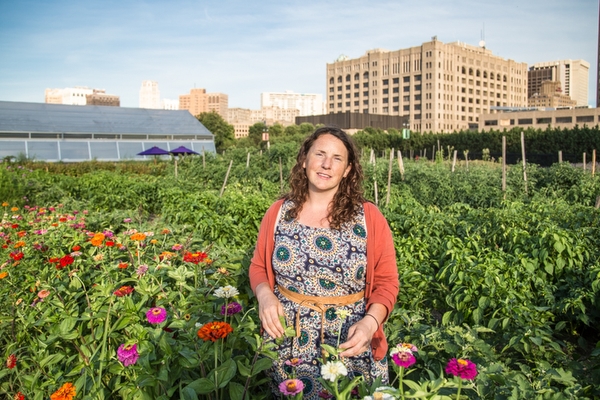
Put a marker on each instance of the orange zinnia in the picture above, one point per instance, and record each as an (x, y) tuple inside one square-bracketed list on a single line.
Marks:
[(3, 275), (66, 392), (98, 239), (214, 331), (138, 237)]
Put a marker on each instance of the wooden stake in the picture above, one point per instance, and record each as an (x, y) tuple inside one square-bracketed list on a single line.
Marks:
[(376, 195), (454, 160), (400, 164), (524, 162), (584, 162), (248, 161), (504, 166), (433, 154), (203, 159), (389, 185), (560, 156), (594, 162), (280, 176), (225, 181)]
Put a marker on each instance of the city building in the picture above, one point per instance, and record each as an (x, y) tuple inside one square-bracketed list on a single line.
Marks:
[(551, 96), (540, 119), (353, 122), (100, 98), (170, 104), (440, 87), (305, 103), (150, 95), (58, 132), (275, 115), (240, 118), (78, 96), (573, 76), (198, 101)]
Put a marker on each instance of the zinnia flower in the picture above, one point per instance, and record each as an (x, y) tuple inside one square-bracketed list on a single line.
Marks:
[(123, 291), (291, 387), (16, 255), (141, 270), (226, 292), (137, 237), (294, 362), (195, 258), (214, 331), (404, 359), (128, 355), (98, 239), (176, 247), (333, 369), (127, 220), (64, 261), (66, 392), (11, 361), (3, 275), (42, 294), (19, 396), (232, 308), (156, 315), (462, 367), (123, 265)]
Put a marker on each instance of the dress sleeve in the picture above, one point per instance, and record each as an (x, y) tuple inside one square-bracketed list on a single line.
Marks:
[(260, 265), (385, 274)]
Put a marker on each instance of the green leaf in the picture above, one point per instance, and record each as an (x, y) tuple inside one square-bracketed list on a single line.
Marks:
[(50, 360), (67, 325), (261, 365), (202, 386), (236, 391), (226, 372), (446, 318), (536, 340)]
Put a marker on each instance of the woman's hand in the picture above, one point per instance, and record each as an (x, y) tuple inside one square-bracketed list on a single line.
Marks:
[(359, 337), (269, 310)]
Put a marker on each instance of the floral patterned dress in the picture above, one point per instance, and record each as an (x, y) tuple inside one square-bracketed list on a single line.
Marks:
[(320, 262)]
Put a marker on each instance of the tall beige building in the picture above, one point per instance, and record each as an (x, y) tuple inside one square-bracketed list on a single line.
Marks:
[(441, 87), (150, 95), (551, 96), (198, 101), (573, 76)]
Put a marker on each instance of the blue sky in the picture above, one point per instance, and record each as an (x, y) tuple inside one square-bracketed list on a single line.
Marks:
[(243, 48)]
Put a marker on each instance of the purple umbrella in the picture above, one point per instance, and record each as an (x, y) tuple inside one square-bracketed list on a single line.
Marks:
[(153, 151), (182, 150)]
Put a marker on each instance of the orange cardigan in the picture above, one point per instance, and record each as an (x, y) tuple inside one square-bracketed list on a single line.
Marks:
[(381, 276)]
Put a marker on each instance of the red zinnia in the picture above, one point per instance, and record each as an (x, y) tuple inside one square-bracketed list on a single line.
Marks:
[(76, 248), (53, 260), (16, 255), (64, 261), (214, 331), (123, 265), (110, 243), (19, 396), (123, 291), (11, 361), (195, 258)]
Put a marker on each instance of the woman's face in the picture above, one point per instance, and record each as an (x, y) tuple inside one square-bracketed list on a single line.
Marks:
[(326, 164)]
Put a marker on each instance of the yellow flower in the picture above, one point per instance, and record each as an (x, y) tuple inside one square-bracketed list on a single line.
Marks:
[(14, 209), (5, 204), (138, 237)]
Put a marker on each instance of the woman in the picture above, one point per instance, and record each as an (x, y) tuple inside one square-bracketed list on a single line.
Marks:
[(321, 249)]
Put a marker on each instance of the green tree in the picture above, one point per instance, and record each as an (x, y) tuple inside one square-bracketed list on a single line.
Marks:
[(276, 130), (291, 130), (255, 132), (224, 133)]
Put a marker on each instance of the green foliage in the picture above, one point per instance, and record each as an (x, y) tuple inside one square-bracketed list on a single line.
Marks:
[(224, 132)]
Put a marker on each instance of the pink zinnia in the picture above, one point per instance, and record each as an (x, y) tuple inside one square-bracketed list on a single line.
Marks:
[(404, 359), (232, 308), (291, 387), (294, 362), (461, 367), (128, 355), (156, 315)]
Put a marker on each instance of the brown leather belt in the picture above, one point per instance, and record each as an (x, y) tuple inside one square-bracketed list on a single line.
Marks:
[(318, 303)]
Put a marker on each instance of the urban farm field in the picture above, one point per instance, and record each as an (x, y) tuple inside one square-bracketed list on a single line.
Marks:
[(122, 281)]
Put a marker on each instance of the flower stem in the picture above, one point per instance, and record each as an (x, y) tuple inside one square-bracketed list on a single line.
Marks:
[(459, 387), (401, 385)]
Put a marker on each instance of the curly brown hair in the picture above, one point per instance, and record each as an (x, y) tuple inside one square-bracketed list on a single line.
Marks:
[(349, 197)]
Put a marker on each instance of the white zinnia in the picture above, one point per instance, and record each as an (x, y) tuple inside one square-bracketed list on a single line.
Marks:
[(333, 369), (226, 292)]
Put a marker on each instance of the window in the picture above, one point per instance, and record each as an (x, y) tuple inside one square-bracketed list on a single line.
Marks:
[(366, 75), (544, 120), (396, 80), (356, 86), (396, 108), (339, 96), (356, 94), (385, 82), (525, 121), (395, 90), (417, 78), (385, 100), (331, 89), (405, 98), (339, 88), (366, 102), (417, 87), (347, 78), (331, 98), (406, 108), (585, 118), (356, 77), (347, 104), (339, 79), (417, 106), (491, 122), (563, 120), (331, 81), (366, 84), (406, 79), (366, 93), (417, 97), (386, 110), (385, 91), (356, 103), (347, 95), (347, 87), (340, 105), (330, 105), (396, 99), (406, 89)]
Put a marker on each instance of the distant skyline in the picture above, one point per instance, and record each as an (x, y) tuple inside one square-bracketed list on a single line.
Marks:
[(244, 48)]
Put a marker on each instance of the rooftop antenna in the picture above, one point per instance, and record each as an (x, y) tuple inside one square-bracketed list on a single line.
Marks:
[(482, 41)]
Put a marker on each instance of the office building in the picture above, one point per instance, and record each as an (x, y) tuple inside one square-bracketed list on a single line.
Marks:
[(551, 96), (305, 103), (78, 96), (198, 101), (440, 87), (573, 76), (541, 119), (150, 95)]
